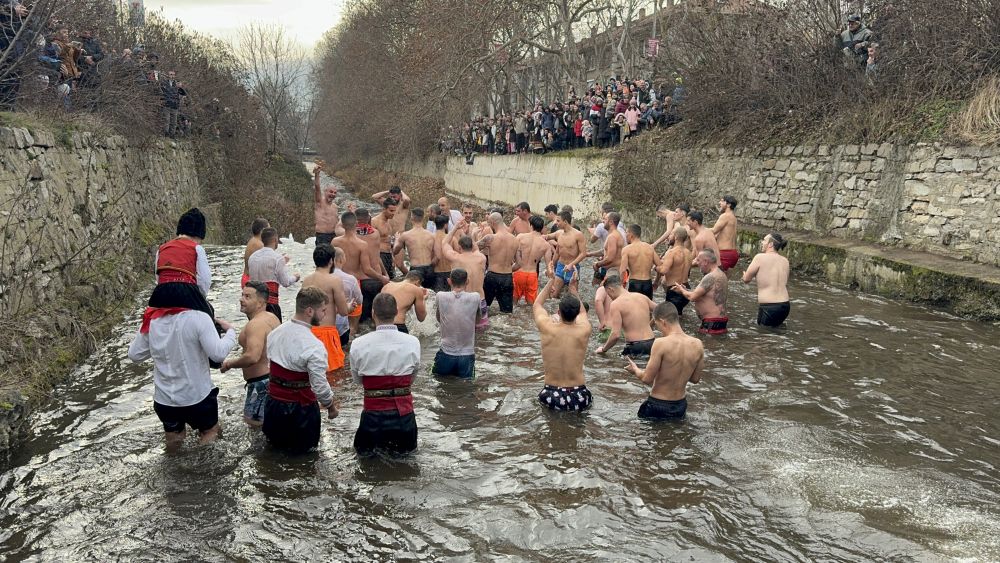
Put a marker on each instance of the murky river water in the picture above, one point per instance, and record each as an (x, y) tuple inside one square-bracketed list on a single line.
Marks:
[(865, 431)]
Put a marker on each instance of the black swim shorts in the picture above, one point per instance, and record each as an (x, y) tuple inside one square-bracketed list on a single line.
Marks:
[(638, 348), (324, 238), (566, 398), (387, 263), (386, 430), (658, 409), (426, 275), (644, 287), (499, 287), (677, 299), (773, 314), (201, 416)]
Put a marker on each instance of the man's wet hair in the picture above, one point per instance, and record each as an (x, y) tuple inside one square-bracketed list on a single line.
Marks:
[(363, 216), (613, 280), (465, 242), (696, 216), (566, 216), (778, 241), (615, 218), (710, 255), (417, 213), (537, 223), (260, 288), (268, 235), (569, 307), (349, 218), (389, 201), (323, 255), (730, 200), (458, 277), (441, 222), (607, 207), (551, 208), (685, 208), (680, 233), (384, 307), (258, 225), (666, 312), (310, 297), (395, 190), (523, 206), (636, 230)]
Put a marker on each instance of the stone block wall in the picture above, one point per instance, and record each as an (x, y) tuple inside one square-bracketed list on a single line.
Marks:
[(76, 202), (927, 197)]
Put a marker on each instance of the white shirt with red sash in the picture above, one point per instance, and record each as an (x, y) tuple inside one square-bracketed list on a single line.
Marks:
[(386, 359), (293, 347)]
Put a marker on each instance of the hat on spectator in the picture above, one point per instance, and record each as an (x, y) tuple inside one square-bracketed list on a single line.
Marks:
[(854, 18)]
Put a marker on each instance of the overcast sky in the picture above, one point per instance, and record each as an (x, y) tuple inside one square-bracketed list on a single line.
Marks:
[(305, 19)]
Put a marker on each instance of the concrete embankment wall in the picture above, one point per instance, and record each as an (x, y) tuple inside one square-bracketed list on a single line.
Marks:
[(79, 216), (894, 220)]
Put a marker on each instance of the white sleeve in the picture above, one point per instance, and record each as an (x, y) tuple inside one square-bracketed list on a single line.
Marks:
[(317, 364), (138, 351), (156, 260), (204, 273), (215, 347), (281, 273), (355, 374)]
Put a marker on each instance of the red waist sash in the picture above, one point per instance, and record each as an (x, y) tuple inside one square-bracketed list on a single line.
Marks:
[(304, 396), (272, 292), (171, 275), (403, 404)]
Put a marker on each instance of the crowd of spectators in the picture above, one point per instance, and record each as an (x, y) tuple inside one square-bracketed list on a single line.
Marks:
[(68, 64), (604, 116)]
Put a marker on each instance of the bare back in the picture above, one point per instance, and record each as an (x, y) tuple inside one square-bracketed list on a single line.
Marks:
[(532, 248), (442, 264), (675, 360), (419, 245), (333, 287), (705, 239), (407, 295), (712, 303), (253, 245), (771, 271), (638, 258), (502, 247), (677, 262), (355, 255), (631, 312), (564, 348), (474, 263), (374, 242)]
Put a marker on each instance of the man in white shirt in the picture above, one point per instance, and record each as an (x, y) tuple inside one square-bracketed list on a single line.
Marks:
[(385, 362), (298, 377), (457, 315), (266, 265), (181, 342)]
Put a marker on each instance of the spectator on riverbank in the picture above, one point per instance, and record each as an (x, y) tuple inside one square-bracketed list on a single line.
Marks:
[(854, 41)]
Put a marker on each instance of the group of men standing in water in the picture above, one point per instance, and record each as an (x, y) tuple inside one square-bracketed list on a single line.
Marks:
[(289, 367)]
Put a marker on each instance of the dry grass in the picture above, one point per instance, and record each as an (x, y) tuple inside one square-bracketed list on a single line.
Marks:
[(979, 122)]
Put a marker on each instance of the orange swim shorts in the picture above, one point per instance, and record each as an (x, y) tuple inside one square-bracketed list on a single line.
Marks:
[(330, 338), (525, 285)]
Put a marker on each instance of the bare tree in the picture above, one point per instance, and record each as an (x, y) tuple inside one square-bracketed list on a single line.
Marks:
[(273, 64)]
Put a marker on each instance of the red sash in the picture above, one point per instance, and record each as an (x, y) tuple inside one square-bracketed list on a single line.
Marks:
[(402, 404), (303, 396), (272, 292), (156, 312), (364, 229)]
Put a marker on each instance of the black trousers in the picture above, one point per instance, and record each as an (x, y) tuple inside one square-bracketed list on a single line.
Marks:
[(386, 430), (499, 287), (291, 426)]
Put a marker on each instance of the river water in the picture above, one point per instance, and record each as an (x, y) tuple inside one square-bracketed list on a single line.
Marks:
[(866, 430)]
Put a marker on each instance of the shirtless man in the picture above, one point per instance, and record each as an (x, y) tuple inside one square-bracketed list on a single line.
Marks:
[(358, 263), (253, 360), (725, 233), (710, 296), (564, 348), (253, 245), (677, 359), (470, 260), (408, 294), (703, 238), (571, 248), (614, 242), (551, 214), (502, 246), (419, 245), (332, 286), (325, 210), (347, 321), (384, 225), (676, 269), (771, 271), (638, 259), (522, 215), (442, 267), (629, 312), (531, 250), (673, 218), (398, 222)]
